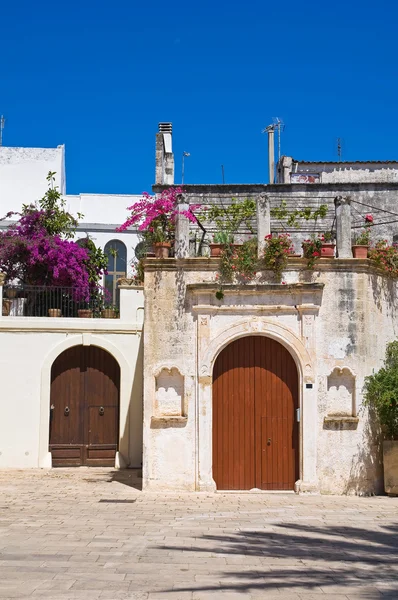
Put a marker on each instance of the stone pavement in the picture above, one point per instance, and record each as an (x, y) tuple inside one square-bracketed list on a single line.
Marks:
[(89, 534)]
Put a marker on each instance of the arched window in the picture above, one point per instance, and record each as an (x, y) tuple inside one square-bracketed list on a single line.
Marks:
[(117, 266)]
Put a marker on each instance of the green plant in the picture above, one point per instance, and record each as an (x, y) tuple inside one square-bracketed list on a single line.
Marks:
[(363, 239), (386, 257), (292, 217), (327, 237), (229, 219), (245, 260), (237, 262), (223, 237), (276, 252), (312, 250), (381, 392), (54, 218)]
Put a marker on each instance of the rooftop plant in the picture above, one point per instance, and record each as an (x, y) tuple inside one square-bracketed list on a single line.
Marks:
[(155, 216), (37, 249), (276, 252), (363, 238)]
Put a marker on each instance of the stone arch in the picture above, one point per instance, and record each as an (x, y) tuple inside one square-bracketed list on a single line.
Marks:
[(307, 397), (266, 327), (85, 339)]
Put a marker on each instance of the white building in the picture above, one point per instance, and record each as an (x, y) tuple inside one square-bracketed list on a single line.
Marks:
[(23, 173)]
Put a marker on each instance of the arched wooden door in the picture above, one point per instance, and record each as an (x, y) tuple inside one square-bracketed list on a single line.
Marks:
[(84, 408), (255, 429)]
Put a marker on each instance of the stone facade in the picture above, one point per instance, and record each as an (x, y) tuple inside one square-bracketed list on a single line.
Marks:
[(335, 321), (289, 170)]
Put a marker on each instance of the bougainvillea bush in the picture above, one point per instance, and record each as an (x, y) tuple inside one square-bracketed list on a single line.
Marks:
[(37, 250), (155, 216)]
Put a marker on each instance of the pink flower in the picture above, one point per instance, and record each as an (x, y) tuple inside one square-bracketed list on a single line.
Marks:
[(369, 218)]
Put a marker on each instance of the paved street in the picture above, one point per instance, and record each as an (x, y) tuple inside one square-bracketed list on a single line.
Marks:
[(91, 534)]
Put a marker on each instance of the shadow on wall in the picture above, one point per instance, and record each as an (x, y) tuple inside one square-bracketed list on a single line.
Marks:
[(133, 426), (385, 287), (366, 472), (309, 557)]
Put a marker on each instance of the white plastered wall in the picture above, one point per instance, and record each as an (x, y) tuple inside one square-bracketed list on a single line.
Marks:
[(29, 347)]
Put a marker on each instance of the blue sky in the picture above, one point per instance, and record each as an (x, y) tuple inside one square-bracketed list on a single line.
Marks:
[(99, 76)]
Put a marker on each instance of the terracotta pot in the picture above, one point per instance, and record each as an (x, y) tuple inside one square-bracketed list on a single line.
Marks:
[(294, 256), (6, 307), (216, 249), (108, 313), (54, 312), (390, 466), (161, 249), (360, 251), (85, 313), (11, 292), (327, 250)]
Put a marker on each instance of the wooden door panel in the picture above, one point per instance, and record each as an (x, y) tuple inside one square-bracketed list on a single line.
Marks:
[(65, 399), (255, 396), (84, 379), (278, 457), (276, 384), (233, 417), (102, 428)]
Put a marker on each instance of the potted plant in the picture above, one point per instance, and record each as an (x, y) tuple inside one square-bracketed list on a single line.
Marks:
[(85, 313), (54, 312), (381, 397), (276, 252), (11, 292), (246, 260), (327, 244), (362, 242), (6, 308), (220, 240), (160, 243), (312, 250), (109, 312), (156, 219)]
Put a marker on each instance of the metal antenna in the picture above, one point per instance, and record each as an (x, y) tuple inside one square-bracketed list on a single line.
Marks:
[(280, 126), (184, 154), (222, 173), (339, 149), (2, 123)]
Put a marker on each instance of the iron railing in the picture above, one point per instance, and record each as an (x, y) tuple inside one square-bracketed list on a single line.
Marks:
[(49, 301)]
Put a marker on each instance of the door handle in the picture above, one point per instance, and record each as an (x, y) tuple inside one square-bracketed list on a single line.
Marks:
[(101, 410), (66, 411), (269, 442), (52, 407)]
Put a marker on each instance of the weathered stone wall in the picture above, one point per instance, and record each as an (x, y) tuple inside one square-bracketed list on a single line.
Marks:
[(336, 321), (374, 198), (339, 172)]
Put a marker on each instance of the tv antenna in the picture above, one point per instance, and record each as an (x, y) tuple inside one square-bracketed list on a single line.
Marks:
[(339, 149), (279, 126), (2, 123)]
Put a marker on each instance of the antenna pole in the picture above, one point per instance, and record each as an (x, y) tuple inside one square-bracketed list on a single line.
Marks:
[(339, 149), (222, 173), (184, 154), (2, 123)]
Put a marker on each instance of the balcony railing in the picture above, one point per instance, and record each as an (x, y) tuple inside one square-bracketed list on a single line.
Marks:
[(43, 301)]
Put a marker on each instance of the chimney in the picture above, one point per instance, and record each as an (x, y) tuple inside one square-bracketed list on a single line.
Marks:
[(271, 153), (164, 174)]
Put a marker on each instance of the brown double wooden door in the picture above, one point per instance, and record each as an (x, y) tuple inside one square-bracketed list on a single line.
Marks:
[(84, 407), (255, 429)]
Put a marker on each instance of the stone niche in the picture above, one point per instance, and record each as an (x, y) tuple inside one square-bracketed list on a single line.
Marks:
[(169, 393), (341, 402)]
